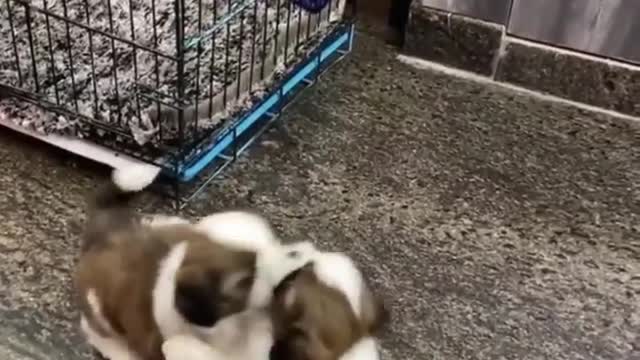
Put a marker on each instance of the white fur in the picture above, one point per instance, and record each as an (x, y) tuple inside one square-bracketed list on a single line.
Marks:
[(230, 339), (184, 347), (338, 271), (168, 319), (112, 348), (238, 229), (164, 220), (365, 349), (276, 263), (260, 332), (135, 177), (96, 311), (273, 265)]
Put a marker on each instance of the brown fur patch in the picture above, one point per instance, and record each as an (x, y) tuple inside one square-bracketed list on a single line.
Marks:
[(122, 271)]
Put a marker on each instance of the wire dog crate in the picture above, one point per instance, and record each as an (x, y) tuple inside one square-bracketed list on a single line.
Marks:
[(184, 85)]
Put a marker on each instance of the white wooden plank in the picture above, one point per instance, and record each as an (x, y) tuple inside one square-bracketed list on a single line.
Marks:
[(77, 146)]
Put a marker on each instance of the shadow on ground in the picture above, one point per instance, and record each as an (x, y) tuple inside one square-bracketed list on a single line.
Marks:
[(498, 226)]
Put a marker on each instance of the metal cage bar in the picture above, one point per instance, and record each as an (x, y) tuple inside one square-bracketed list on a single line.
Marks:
[(189, 101)]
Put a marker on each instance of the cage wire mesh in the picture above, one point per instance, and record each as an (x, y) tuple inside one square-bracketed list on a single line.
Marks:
[(149, 77)]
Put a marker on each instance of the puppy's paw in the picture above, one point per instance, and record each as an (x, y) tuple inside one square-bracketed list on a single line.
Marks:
[(239, 229), (301, 252), (182, 347), (108, 348), (287, 259), (274, 265)]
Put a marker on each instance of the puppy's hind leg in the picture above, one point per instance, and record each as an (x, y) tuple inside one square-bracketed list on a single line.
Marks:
[(109, 347)]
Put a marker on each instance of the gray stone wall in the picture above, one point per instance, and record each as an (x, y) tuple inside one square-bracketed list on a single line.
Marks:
[(488, 48)]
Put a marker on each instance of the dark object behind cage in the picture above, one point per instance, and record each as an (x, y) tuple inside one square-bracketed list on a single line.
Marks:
[(164, 81)]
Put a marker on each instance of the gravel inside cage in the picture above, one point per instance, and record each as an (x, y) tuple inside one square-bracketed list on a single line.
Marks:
[(74, 67)]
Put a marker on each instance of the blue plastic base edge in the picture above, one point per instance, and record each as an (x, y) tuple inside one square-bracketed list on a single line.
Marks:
[(303, 75)]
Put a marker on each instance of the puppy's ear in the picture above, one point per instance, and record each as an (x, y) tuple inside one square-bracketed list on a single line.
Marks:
[(237, 285), (285, 292), (287, 282), (195, 299), (289, 298), (375, 314)]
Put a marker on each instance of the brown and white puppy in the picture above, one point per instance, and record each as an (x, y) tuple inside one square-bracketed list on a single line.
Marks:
[(139, 284), (324, 311), (244, 336)]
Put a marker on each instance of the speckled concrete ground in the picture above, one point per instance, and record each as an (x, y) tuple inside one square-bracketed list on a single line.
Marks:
[(499, 227)]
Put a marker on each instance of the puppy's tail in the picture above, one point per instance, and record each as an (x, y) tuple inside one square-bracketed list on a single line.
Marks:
[(108, 205), (125, 183)]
